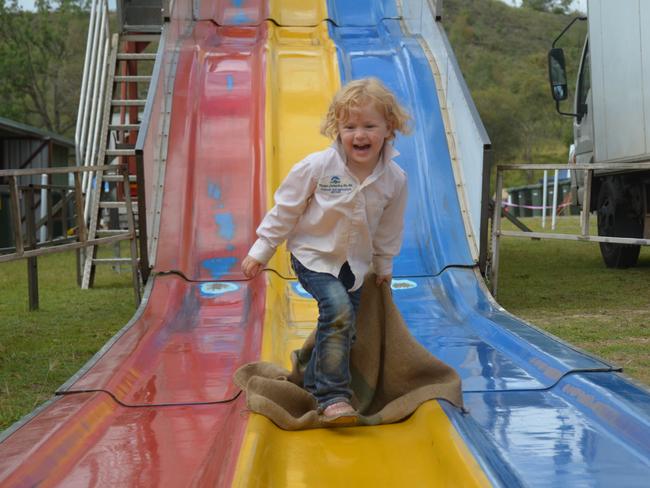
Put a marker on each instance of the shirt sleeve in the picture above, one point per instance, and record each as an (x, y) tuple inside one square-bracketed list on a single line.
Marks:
[(388, 236), (291, 198)]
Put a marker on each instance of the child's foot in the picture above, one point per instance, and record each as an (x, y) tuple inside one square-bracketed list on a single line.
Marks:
[(340, 414)]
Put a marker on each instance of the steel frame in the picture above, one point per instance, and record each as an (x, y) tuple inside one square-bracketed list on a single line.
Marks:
[(584, 236)]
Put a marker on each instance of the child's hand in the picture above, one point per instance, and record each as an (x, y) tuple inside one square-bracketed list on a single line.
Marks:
[(251, 267), (385, 278)]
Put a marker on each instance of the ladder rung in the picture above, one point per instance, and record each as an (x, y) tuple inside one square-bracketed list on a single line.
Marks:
[(117, 204), (140, 29), (112, 232), (118, 178), (120, 152), (136, 56), (123, 126), (140, 38), (132, 78), (124, 145), (112, 261), (128, 103)]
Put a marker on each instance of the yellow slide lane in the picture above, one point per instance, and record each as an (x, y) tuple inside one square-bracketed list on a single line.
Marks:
[(424, 450)]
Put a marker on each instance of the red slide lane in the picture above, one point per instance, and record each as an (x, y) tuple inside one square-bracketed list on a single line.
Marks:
[(214, 181), (87, 439), (235, 12), (159, 407), (185, 346), (194, 335)]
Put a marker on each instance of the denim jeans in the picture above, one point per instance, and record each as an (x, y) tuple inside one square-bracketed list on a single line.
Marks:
[(327, 372)]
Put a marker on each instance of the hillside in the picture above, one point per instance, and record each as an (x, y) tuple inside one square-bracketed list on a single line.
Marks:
[(41, 62), (502, 53)]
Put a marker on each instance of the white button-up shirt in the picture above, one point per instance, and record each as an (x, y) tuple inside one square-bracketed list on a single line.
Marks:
[(328, 217)]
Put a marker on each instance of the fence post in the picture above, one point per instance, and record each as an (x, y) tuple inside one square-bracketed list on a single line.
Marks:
[(586, 202), (555, 197), (15, 212), (142, 219), (544, 198), (48, 208), (135, 271), (81, 224), (42, 229), (32, 265), (496, 231), (64, 213)]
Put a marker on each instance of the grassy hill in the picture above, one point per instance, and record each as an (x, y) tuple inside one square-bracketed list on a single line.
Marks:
[(502, 53)]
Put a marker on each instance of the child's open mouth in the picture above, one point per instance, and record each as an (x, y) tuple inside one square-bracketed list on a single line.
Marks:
[(361, 147)]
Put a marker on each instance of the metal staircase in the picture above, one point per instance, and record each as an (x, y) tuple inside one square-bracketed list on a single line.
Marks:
[(113, 208), (117, 78)]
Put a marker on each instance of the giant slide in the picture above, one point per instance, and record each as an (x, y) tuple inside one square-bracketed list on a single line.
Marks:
[(157, 405)]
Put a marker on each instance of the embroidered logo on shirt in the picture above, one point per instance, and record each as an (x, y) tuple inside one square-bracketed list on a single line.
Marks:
[(335, 185)]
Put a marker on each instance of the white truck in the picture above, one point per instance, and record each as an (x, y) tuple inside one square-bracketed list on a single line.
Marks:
[(611, 111)]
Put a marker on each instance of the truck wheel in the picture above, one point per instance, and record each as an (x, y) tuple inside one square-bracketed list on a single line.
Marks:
[(620, 214)]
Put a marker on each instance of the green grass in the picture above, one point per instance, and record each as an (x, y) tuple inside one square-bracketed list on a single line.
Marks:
[(565, 288), (40, 350)]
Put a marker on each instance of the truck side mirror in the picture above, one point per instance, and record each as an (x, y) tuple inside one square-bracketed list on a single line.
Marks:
[(557, 74)]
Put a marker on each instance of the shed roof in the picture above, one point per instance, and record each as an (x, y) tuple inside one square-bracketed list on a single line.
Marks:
[(12, 129)]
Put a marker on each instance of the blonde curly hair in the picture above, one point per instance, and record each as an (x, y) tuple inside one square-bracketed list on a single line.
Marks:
[(359, 92)]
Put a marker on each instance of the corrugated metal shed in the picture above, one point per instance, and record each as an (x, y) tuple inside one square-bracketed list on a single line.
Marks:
[(21, 147), (25, 146)]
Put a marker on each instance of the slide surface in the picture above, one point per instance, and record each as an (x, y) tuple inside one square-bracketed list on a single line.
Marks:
[(157, 406)]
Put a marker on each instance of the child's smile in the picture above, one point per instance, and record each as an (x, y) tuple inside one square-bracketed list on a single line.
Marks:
[(363, 135)]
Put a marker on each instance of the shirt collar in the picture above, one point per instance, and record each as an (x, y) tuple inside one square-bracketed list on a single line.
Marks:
[(388, 152)]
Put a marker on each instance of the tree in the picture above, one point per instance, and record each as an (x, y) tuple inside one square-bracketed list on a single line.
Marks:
[(41, 60), (498, 112)]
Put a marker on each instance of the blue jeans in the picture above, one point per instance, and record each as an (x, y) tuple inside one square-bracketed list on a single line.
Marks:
[(327, 372)]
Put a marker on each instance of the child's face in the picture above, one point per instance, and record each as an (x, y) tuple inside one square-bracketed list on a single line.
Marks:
[(363, 135)]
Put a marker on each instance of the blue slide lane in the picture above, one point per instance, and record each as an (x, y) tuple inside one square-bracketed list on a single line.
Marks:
[(433, 208), (359, 13), (541, 413)]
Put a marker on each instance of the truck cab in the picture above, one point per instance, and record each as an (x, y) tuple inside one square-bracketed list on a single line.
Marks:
[(583, 126), (611, 120)]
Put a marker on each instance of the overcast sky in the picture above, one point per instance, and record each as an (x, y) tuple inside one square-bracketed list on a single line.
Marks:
[(577, 4), (29, 4), (580, 5)]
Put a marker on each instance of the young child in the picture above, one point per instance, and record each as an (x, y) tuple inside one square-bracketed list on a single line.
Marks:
[(340, 210)]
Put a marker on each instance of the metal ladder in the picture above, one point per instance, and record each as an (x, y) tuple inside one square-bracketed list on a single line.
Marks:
[(112, 207)]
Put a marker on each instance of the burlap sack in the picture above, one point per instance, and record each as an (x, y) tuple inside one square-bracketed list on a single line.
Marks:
[(392, 374)]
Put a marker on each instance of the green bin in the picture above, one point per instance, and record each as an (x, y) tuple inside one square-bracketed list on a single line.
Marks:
[(525, 198), (536, 200)]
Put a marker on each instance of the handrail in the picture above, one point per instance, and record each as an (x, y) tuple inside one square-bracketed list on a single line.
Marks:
[(79, 135), (93, 88), (83, 241), (143, 133), (55, 171), (151, 96)]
